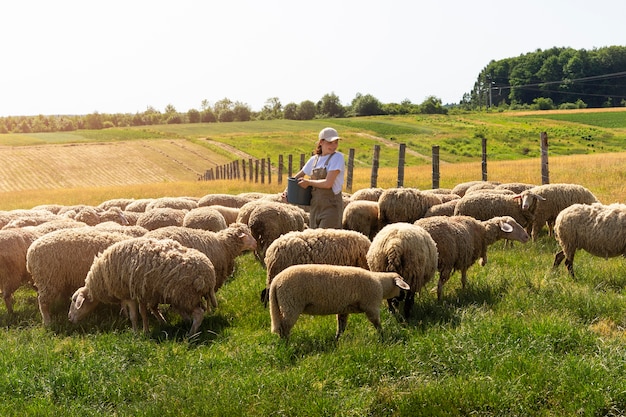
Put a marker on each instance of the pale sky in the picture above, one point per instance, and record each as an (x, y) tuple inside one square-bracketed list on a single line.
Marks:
[(121, 56)]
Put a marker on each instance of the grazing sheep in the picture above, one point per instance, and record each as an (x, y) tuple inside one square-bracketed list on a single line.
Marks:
[(482, 185), (221, 247), (330, 289), (598, 229), (461, 188), (516, 187), (205, 218), (404, 205), (120, 203), (139, 206), (161, 217), (361, 216), (59, 262), (462, 240), (230, 213), (227, 200), (269, 221), (443, 209), (314, 246), (132, 231), (484, 206), (178, 203), (410, 251), (13, 272), (54, 225), (546, 201), (369, 194), (21, 218), (143, 272)]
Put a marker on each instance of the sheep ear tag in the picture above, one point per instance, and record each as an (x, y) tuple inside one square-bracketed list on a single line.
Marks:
[(402, 284), (505, 227)]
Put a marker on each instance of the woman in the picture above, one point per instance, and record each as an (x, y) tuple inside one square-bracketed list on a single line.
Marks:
[(325, 170)]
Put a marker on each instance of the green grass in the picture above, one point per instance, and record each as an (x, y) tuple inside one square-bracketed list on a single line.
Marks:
[(521, 339)]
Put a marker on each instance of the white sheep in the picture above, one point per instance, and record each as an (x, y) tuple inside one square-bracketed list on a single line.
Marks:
[(178, 203), (368, 194), (461, 188), (269, 221), (462, 240), (404, 205), (546, 201), (59, 262), (314, 246), (598, 229), (21, 218), (142, 273), (361, 216), (13, 272), (161, 217), (221, 247), (227, 200), (484, 206), (139, 205), (330, 289), (230, 213), (410, 251), (443, 209), (205, 218), (121, 203), (516, 187)]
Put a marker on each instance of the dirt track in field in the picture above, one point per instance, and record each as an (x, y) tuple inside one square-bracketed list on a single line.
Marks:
[(103, 164)]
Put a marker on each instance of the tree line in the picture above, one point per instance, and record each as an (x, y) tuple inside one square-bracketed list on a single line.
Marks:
[(541, 80)]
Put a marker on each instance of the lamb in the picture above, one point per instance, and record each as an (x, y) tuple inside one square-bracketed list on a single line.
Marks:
[(404, 205), (598, 229), (330, 289), (13, 272), (314, 246), (220, 247), (59, 262), (484, 206), (230, 213), (144, 272), (161, 217), (443, 209), (361, 216), (462, 240), (410, 251), (546, 201), (269, 221), (205, 218)]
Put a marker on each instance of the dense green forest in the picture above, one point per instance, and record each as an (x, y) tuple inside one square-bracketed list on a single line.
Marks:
[(563, 78)]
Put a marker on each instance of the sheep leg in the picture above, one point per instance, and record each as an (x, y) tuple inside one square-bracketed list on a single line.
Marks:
[(342, 322), (408, 304), (197, 315), (569, 263), (143, 310), (130, 307), (374, 318), (463, 278), (558, 258), (44, 309), (444, 276), (8, 301)]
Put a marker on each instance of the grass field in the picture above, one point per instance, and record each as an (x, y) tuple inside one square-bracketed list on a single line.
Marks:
[(521, 340)]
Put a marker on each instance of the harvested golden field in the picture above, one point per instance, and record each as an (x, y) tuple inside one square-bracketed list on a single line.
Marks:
[(103, 164)]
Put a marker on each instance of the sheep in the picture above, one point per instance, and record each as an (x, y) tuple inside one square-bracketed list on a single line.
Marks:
[(516, 187), (598, 229), (132, 231), (54, 225), (443, 209), (178, 203), (230, 213), (161, 217), (206, 218), (227, 200), (462, 240), (143, 272), (546, 201), (120, 203), (21, 218), (484, 206), (482, 185), (221, 247), (314, 246), (267, 222), (361, 216), (330, 289), (139, 206), (59, 262), (13, 272), (461, 188), (410, 251), (369, 194), (404, 205)]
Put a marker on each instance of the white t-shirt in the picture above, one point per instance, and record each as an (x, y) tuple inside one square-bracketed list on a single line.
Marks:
[(336, 163)]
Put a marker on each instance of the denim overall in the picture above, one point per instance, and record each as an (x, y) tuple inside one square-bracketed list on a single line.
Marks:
[(326, 206)]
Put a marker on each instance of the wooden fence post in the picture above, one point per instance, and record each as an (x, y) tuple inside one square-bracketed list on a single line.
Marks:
[(290, 165), (301, 161), (250, 168), (484, 164), (280, 169), (256, 170), (350, 169), (435, 156), (401, 153), (374, 177), (545, 173), (263, 171)]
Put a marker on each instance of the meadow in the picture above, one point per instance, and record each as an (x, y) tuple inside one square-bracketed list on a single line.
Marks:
[(522, 339)]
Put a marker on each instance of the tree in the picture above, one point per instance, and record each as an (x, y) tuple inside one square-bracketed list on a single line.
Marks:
[(241, 112), (93, 121), (330, 106), (366, 105), (290, 112), (432, 105), (272, 109), (207, 116), (193, 115), (306, 110)]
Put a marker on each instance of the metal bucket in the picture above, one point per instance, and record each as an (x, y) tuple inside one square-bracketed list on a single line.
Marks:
[(296, 194)]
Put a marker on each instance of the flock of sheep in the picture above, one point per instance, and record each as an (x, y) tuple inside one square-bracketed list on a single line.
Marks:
[(144, 254)]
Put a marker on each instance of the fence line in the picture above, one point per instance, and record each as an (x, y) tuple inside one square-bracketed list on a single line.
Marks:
[(231, 170)]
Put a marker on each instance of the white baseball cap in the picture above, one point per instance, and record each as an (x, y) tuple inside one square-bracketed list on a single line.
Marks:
[(329, 134)]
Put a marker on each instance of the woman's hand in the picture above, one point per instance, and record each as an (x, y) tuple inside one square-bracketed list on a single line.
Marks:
[(303, 183)]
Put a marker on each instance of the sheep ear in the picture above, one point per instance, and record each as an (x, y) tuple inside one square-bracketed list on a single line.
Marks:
[(517, 197), (539, 197), (402, 284), (505, 227), (80, 299)]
